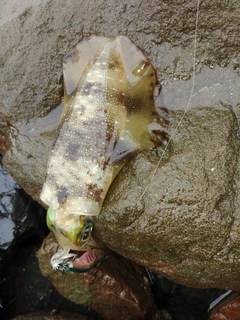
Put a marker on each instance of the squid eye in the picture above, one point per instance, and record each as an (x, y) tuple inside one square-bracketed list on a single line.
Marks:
[(86, 232)]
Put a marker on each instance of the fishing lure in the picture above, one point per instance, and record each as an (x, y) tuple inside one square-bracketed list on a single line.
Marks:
[(108, 115)]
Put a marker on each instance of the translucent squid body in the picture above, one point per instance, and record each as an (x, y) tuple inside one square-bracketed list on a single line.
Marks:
[(108, 115)]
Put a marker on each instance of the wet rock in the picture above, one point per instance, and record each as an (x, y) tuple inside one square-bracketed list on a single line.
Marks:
[(27, 159), (164, 33), (34, 292), (181, 302), (35, 35), (227, 307), (116, 287), (31, 292), (20, 217), (186, 226)]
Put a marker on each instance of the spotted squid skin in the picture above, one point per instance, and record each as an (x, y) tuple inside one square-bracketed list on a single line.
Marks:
[(108, 114)]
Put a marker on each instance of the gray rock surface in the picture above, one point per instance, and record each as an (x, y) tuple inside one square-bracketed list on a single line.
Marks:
[(186, 226)]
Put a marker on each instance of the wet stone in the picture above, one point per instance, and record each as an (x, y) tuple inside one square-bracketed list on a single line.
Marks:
[(115, 287), (228, 308), (190, 237), (20, 217), (186, 225)]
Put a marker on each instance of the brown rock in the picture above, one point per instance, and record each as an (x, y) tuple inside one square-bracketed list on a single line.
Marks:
[(230, 310), (116, 287)]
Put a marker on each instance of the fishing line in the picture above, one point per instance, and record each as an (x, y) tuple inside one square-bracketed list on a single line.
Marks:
[(188, 104)]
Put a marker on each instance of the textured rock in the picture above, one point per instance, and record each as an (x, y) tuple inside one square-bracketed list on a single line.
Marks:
[(20, 217), (187, 224), (116, 287), (36, 35)]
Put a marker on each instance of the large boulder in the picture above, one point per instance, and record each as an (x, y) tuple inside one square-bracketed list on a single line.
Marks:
[(180, 217), (185, 225)]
